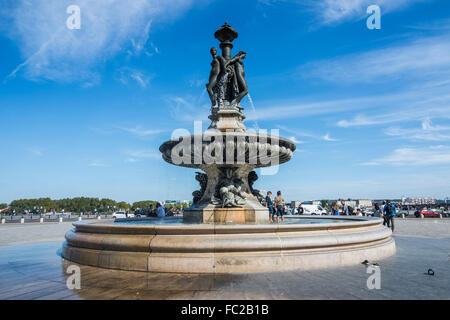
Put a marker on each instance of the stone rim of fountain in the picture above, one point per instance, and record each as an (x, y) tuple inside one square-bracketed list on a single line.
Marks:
[(228, 248)]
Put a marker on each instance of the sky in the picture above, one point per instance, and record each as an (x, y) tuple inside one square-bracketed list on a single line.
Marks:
[(84, 111)]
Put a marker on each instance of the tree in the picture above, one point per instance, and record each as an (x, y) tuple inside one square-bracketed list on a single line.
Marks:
[(143, 204), (124, 205)]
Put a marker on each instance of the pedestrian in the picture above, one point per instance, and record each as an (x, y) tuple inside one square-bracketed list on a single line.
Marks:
[(383, 213), (334, 209), (160, 210), (378, 212), (150, 210), (279, 204), (389, 212), (358, 212), (269, 205), (300, 209), (345, 211)]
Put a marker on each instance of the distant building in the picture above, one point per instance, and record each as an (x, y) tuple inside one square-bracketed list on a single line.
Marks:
[(364, 203), (418, 201)]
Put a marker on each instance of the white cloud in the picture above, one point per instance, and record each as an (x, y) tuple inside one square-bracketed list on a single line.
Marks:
[(337, 11), (294, 140), (428, 132), (188, 108), (287, 110), (328, 138), (140, 77), (306, 134), (333, 12), (140, 131), (54, 52), (98, 164), (139, 155), (416, 60), (434, 155)]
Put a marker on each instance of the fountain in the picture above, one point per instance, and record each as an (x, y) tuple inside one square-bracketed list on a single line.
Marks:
[(226, 152), (227, 228)]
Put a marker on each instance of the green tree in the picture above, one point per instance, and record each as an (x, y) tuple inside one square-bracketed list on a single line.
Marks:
[(143, 204), (124, 205), (324, 203)]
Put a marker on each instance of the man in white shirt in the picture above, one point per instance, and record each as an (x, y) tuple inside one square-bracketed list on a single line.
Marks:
[(160, 210)]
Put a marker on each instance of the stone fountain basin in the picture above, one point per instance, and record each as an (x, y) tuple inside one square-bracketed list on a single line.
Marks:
[(256, 149), (219, 248)]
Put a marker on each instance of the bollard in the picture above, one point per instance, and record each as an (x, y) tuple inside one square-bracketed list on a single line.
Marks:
[(99, 218), (422, 216), (3, 220), (80, 218), (403, 216), (22, 220), (440, 215), (60, 220), (41, 220)]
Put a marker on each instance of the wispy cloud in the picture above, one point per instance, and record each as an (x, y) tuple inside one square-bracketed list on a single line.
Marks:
[(418, 59), (100, 164), (139, 155), (295, 140), (427, 131), (434, 155), (140, 77), (334, 12), (285, 109), (140, 131), (328, 138), (36, 151), (306, 134), (188, 108), (331, 12), (54, 52)]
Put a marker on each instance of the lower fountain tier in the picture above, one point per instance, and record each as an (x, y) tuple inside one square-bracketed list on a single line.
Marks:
[(212, 248)]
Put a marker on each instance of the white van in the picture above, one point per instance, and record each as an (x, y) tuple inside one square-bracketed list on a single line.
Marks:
[(313, 209), (122, 215)]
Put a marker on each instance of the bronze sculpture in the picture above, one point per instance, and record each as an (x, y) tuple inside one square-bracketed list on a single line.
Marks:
[(227, 85)]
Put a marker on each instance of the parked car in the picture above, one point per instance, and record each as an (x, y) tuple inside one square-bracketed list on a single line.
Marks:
[(368, 212), (399, 213), (313, 209), (122, 215), (428, 213)]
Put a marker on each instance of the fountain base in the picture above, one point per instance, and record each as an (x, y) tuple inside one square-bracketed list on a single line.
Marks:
[(215, 248), (251, 212)]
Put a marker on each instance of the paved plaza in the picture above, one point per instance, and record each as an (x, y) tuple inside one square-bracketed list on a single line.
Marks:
[(31, 268)]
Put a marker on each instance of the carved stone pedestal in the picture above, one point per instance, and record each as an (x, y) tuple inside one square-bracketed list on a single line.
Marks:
[(251, 212)]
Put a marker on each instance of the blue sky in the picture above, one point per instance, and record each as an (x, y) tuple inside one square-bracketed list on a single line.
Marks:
[(83, 112)]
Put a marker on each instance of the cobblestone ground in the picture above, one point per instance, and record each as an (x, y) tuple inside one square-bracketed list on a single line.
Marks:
[(36, 271), (13, 234)]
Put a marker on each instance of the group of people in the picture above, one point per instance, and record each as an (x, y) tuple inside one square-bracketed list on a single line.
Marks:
[(276, 206), (161, 211), (387, 211)]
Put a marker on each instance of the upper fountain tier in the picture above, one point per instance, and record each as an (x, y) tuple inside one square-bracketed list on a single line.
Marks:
[(227, 142)]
